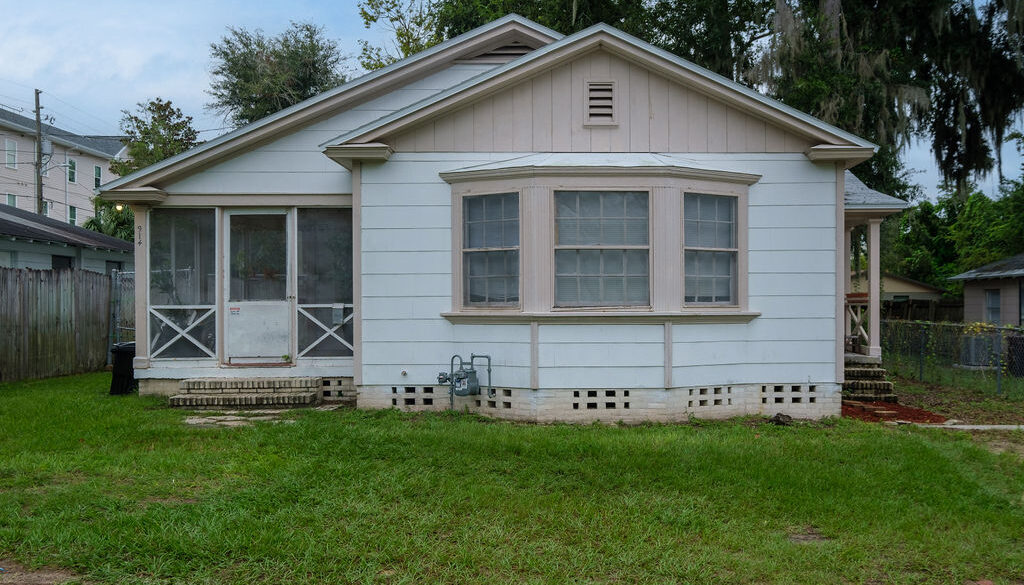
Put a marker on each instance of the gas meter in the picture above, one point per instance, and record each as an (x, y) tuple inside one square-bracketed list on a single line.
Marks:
[(463, 381)]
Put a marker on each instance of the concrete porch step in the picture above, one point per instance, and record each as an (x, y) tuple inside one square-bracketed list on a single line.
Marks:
[(246, 400), (249, 385)]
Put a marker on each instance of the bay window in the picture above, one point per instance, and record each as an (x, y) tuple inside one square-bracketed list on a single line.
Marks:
[(665, 243)]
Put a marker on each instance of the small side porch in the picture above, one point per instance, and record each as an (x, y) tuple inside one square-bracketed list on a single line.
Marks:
[(864, 210)]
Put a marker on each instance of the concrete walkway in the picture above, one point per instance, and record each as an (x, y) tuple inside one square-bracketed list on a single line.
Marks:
[(961, 427)]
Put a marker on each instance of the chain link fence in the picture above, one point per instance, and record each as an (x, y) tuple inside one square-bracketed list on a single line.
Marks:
[(978, 356)]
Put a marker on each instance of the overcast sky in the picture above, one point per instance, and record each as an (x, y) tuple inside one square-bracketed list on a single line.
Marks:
[(93, 59)]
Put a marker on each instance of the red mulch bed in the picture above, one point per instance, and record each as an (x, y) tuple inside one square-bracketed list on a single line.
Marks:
[(867, 411)]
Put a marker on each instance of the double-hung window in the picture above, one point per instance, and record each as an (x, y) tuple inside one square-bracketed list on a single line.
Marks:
[(72, 170), (10, 154), (992, 306), (97, 176), (490, 249), (710, 249), (601, 248)]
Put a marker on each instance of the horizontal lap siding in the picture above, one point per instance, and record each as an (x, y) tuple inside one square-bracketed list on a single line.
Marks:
[(295, 163), (406, 264), (791, 281)]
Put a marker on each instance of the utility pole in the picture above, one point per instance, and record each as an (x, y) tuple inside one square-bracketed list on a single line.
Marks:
[(40, 204)]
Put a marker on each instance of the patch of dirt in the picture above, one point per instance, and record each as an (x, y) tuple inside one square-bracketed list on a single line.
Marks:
[(12, 573), (889, 411), (807, 535), (963, 404), (1001, 441)]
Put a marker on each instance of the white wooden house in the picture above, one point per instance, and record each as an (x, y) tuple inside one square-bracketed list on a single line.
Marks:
[(628, 236)]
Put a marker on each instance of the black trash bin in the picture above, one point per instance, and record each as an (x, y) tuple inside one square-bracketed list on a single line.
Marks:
[(123, 381)]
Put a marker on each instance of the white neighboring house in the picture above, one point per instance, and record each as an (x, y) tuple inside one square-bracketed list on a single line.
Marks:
[(78, 165), (628, 236)]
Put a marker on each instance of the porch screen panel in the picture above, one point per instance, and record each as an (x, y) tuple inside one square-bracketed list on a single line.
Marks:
[(601, 248), (182, 283), (325, 312), (259, 258)]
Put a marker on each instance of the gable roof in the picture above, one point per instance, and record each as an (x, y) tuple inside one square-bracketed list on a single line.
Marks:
[(19, 224), (480, 40), (1005, 268), (608, 38), (102, 146)]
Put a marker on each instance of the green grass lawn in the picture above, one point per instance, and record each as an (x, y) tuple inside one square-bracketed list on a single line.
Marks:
[(118, 490), (965, 403)]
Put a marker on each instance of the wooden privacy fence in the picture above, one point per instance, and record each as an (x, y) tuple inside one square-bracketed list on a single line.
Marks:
[(52, 322)]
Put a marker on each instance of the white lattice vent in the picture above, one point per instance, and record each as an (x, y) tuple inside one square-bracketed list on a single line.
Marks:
[(789, 394), (337, 388), (600, 399), (709, 396), (412, 396), (502, 400)]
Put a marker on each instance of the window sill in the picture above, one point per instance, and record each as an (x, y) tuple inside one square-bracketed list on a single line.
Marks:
[(596, 316)]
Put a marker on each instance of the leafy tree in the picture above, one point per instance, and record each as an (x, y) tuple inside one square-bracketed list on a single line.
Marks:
[(721, 35), (454, 17), (410, 22), (255, 76), (157, 130)]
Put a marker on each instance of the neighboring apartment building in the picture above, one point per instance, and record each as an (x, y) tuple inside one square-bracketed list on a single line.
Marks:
[(77, 166)]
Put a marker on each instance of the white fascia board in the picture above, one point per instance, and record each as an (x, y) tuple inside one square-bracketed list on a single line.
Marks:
[(327, 95), (626, 38)]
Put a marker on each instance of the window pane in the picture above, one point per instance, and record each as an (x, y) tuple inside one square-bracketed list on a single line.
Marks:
[(601, 277), (710, 277), (259, 258), (182, 257), (491, 277), (491, 221), (325, 256), (599, 218)]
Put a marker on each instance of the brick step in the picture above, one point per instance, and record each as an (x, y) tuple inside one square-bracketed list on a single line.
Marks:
[(865, 373), (873, 385), (246, 400), (849, 396), (249, 385)]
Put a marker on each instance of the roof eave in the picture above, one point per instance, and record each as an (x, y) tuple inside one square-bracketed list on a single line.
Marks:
[(353, 91), (603, 36)]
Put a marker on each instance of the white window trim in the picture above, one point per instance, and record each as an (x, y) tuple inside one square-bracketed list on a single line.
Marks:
[(97, 175), (72, 162), (536, 254), (10, 147), (72, 215)]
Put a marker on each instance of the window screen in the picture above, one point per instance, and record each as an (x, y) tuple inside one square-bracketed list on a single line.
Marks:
[(181, 257), (710, 249), (490, 249), (601, 248)]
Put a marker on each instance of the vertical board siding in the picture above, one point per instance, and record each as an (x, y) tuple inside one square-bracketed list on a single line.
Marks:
[(654, 115), (55, 322)]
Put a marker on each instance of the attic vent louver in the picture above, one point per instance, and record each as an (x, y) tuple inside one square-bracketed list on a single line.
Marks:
[(502, 54), (600, 102)]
